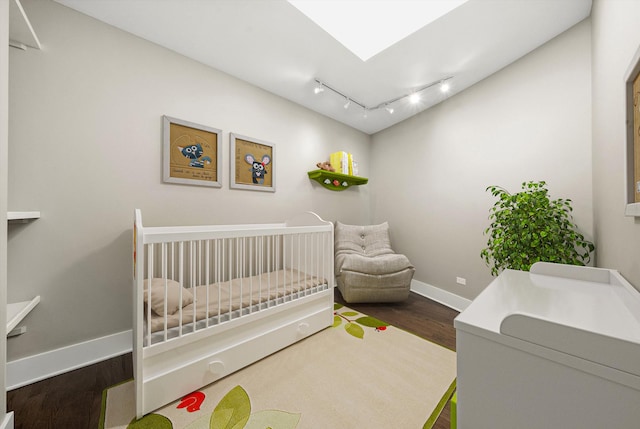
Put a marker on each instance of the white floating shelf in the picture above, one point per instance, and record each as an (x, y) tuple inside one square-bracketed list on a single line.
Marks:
[(22, 216), (18, 311), (21, 32)]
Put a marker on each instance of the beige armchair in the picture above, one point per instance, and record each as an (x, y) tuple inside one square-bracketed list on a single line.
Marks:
[(366, 267)]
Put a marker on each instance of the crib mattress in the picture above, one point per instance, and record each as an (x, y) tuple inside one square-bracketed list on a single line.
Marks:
[(217, 302)]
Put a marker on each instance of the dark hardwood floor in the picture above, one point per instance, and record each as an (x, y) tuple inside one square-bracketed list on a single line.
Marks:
[(73, 400), (68, 401)]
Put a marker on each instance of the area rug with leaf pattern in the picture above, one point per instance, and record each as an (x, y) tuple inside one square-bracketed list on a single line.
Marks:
[(360, 373)]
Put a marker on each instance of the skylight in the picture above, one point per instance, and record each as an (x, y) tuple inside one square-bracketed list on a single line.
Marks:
[(367, 28)]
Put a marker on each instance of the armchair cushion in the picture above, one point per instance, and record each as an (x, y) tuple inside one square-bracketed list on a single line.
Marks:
[(368, 240), (383, 264)]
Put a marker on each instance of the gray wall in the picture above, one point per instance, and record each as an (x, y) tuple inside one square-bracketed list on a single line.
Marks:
[(85, 145), (616, 37), (529, 121)]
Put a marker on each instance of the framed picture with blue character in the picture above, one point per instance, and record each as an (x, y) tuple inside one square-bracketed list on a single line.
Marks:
[(192, 153), (252, 164)]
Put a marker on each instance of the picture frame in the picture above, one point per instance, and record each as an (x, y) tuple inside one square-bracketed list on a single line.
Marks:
[(192, 153), (632, 136), (252, 164)]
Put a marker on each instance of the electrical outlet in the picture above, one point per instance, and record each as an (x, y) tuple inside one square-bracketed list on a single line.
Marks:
[(461, 280)]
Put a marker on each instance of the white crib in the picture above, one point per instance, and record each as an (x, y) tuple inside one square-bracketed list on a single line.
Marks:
[(223, 297)]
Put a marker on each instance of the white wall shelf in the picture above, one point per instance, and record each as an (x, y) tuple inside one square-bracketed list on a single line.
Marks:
[(22, 216), (18, 311), (21, 32)]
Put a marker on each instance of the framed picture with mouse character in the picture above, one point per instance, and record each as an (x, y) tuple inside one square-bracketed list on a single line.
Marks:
[(252, 164)]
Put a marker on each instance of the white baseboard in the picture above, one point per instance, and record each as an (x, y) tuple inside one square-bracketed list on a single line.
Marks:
[(442, 296), (7, 423), (28, 370)]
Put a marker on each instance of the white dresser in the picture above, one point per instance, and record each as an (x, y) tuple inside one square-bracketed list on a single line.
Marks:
[(557, 347)]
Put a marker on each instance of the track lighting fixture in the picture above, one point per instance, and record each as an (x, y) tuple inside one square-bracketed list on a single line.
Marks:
[(414, 97)]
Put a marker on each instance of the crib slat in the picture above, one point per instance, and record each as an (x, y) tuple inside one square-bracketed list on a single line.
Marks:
[(192, 273), (251, 254), (230, 277), (150, 277), (181, 279), (270, 269), (278, 248), (163, 269), (260, 257), (221, 265), (242, 267)]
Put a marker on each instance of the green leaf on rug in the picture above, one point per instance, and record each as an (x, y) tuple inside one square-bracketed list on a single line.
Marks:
[(274, 419), (337, 306), (350, 313), (151, 421), (233, 411), (355, 330), (371, 322), (202, 423), (336, 321)]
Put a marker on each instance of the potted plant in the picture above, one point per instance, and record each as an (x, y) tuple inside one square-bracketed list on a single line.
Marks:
[(527, 227)]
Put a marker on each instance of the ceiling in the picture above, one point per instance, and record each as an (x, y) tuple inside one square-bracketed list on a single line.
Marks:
[(274, 46)]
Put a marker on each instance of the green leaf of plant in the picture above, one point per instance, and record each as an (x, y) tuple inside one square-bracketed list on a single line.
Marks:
[(151, 421), (350, 313), (273, 419), (233, 411), (337, 321), (371, 322), (355, 330)]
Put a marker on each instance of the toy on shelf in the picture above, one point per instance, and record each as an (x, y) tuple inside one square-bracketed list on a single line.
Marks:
[(325, 166)]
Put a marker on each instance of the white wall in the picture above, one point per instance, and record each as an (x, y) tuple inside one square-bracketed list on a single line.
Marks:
[(85, 125), (616, 38), (529, 121)]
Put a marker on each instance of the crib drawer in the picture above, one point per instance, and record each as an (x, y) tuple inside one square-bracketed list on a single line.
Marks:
[(228, 355)]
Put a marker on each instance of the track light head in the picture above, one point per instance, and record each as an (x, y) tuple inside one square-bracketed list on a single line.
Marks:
[(389, 109), (319, 88), (444, 86), (347, 104), (414, 98)]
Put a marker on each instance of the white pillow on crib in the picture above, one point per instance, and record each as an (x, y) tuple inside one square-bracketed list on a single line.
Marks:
[(173, 296)]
